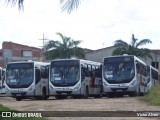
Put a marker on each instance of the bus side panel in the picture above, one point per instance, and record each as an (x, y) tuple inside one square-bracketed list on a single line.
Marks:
[(41, 84), (91, 86), (84, 85)]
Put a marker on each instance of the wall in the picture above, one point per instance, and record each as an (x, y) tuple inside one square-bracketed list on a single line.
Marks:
[(13, 52)]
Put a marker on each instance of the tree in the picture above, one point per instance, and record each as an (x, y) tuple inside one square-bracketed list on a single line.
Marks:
[(133, 48), (66, 5), (68, 48)]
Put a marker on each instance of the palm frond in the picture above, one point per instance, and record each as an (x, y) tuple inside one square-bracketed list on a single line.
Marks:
[(143, 42), (120, 51), (133, 41), (69, 5), (120, 43), (51, 44), (122, 47), (60, 34), (76, 42), (14, 2), (144, 53), (66, 48)]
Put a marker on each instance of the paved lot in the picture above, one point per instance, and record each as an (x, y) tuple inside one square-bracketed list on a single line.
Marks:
[(91, 104)]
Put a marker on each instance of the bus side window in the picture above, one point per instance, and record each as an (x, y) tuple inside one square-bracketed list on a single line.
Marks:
[(44, 72), (138, 67), (42, 69), (93, 70), (90, 71), (38, 75), (3, 74), (47, 71), (98, 72), (85, 72)]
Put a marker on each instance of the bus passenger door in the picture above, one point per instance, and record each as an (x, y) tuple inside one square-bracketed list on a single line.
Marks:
[(84, 79), (37, 82)]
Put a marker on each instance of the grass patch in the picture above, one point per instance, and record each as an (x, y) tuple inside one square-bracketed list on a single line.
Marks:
[(153, 97), (5, 109)]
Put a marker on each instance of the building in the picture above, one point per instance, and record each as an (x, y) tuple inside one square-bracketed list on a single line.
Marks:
[(16, 52), (98, 55)]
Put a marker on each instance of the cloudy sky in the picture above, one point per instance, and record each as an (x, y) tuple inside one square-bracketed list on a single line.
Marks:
[(98, 23)]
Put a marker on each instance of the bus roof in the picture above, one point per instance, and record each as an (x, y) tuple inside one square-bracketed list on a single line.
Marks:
[(151, 67), (136, 58), (81, 61), (35, 62)]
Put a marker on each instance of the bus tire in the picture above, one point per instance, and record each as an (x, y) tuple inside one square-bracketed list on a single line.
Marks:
[(18, 98)]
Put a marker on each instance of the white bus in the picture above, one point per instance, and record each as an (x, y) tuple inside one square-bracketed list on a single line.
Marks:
[(2, 79), (27, 79), (76, 78), (152, 77), (123, 74)]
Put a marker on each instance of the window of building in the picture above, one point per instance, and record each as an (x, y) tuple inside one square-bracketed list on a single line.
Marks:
[(155, 65), (26, 53)]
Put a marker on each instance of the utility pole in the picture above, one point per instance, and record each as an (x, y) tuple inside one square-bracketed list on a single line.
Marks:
[(43, 39)]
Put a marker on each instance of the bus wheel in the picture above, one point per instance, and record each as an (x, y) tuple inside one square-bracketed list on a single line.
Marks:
[(44, 96), (18, 98), (86, 93)]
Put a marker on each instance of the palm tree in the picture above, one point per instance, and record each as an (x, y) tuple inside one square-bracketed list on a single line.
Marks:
[(66, 5), (133, 48), (68, 48)]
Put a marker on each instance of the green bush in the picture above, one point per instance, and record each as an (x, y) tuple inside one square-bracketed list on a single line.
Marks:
[(153, 97)]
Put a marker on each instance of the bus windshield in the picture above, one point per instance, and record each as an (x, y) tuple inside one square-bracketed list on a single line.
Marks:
[(119, 72), (19, 75), (64, 73)]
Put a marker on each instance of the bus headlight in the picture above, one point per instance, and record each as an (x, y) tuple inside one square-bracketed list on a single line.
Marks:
[(104, 84), (6, 89), (31, 88), (77, 87), (51, 87), (133, 83)]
